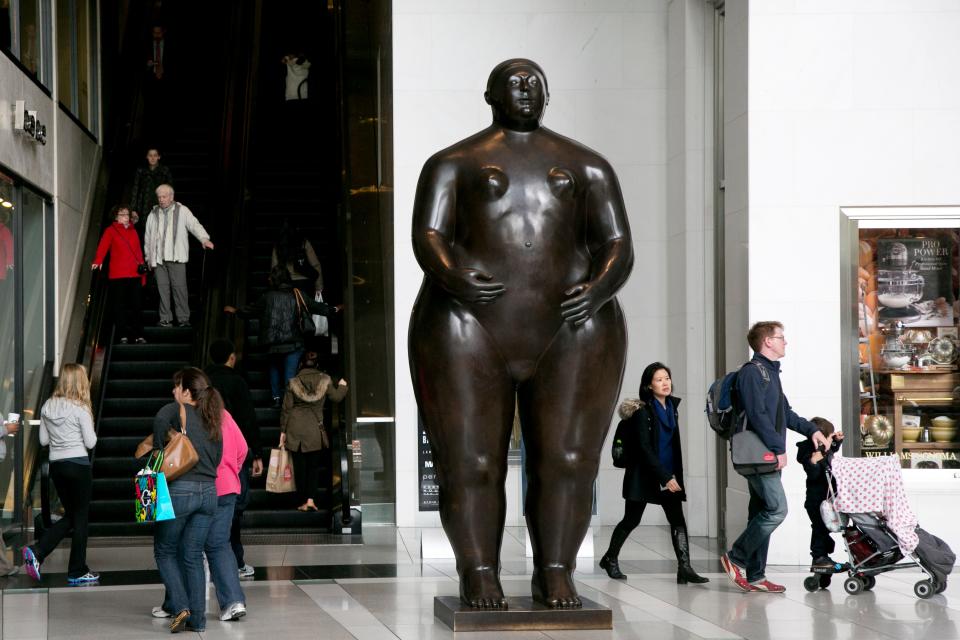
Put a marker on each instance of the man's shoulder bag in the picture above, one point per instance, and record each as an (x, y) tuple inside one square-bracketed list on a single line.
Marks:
[(749, 455)]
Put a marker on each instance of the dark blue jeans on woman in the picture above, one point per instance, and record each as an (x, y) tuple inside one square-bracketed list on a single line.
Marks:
[(283, 366), (223, 564), (178, 548)]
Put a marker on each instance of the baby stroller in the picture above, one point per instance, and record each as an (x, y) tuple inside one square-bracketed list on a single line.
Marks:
[(871, 543)]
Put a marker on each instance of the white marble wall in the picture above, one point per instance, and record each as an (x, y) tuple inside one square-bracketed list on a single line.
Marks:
[(850, 103), (31, 161), (606, 62)]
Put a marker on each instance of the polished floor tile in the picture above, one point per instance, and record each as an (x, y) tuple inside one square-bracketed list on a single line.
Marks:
[(383, 590)]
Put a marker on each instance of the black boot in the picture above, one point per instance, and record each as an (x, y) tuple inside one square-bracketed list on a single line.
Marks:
[(609, 561), (681, 546)]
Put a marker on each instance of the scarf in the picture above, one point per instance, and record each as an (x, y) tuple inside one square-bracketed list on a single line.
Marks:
[(668, 426)]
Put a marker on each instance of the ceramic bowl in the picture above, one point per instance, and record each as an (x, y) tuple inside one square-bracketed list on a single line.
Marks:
[(896, 359), (910, 434), (944, 421), (943, 434)]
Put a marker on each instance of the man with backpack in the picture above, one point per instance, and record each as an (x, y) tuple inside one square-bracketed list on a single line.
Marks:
[(767, 412)]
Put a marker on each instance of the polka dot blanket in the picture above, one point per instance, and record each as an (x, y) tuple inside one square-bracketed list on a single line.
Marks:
[(875, 485)]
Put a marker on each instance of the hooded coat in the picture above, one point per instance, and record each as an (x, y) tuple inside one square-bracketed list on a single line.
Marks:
[(301, 416), (639, 430), (67, 427)]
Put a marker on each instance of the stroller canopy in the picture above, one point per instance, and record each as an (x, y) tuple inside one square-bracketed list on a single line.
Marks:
[(875, 485)]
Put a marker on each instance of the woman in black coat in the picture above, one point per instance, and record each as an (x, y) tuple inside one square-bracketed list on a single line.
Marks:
[(650, 435)]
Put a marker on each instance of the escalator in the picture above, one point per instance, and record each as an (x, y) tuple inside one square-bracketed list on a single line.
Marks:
[(240, 202)]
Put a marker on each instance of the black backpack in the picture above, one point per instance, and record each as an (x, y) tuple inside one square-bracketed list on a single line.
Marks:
[(724, 412)]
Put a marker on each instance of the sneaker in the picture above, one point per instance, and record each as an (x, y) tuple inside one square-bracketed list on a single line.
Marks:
[(245, 571), (233, 612), (824, 561), (165, 323), (30, 564), (141, 341), (735, 574), (179, 621), (88, 578), (124, 340), (767, 586), (185, 324), (160, 612)]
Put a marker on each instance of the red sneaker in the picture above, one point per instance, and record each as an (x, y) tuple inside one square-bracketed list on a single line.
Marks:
[(735, 574), (766, 585)]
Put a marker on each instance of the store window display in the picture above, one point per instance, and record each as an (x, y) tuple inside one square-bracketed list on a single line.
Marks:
[(907, 316)]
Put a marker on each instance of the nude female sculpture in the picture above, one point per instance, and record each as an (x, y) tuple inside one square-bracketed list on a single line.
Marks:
[(524, 241)]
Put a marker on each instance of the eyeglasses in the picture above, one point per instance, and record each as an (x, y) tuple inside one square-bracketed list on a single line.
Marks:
[(778, 337)]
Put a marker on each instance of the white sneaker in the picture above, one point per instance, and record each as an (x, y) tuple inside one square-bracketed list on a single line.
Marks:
[(233, 612), (245, 571), (158, 612)]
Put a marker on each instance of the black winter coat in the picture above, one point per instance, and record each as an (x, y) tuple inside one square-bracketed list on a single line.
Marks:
[(280, 318), (237, 400), (640, 432)]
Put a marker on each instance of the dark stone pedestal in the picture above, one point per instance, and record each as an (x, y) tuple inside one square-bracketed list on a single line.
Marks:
[(521, 614)]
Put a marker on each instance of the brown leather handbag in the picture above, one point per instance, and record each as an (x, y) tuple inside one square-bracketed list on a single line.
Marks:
[(179, 456)]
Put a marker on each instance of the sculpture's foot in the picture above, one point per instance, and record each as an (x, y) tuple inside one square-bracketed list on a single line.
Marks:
[(553, 586), (480, 588)]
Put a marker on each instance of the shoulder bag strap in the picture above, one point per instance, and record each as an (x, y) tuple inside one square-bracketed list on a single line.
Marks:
[(301, 305), (183, 420)]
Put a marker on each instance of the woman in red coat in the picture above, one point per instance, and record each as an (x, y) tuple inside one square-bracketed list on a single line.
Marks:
[(128, 273)]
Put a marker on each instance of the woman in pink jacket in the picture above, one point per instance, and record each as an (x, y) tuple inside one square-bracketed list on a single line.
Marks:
[(223, 564)]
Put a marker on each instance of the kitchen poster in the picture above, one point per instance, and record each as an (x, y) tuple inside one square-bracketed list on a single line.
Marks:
[(914, 281)]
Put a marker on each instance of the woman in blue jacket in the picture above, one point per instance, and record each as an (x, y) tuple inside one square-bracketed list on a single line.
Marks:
[(650, 434)]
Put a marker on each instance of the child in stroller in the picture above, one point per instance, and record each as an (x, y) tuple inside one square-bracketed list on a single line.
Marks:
[(867, 502)]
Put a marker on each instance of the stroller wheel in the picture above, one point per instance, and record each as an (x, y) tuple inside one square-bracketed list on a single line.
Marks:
[(825, 581), (853, 585), (924, 589), (869, 582), (811, 583)]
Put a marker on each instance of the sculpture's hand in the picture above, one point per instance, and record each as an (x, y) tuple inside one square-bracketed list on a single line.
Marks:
[(583, 301), (473, 285)]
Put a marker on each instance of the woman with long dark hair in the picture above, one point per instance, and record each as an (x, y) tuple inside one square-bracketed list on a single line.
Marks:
[(178, 543), (650, 433)]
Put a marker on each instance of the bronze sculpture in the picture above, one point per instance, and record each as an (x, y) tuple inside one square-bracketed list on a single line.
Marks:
[(524, 242)]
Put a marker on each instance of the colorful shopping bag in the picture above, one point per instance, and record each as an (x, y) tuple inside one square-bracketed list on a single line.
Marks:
[(152, 494), (280, 472)]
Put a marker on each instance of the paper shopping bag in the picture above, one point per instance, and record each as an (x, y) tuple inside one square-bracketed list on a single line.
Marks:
[(164, 510), (280, 472)]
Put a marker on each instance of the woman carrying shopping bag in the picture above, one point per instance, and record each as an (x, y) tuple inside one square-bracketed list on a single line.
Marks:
[(66, 424), (301, 425), (178, 544)]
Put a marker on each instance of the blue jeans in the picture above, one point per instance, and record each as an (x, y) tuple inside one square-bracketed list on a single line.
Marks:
[(178, 548), (768, 508), (223, 564), (283, 365)]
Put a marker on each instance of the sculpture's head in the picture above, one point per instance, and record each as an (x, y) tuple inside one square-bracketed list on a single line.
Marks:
[(517, 92)]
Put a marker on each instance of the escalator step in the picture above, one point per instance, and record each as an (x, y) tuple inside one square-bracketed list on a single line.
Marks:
[(118, 446), (156, 369), (138, 388), (134, 407), (126, 426), (156, 351)]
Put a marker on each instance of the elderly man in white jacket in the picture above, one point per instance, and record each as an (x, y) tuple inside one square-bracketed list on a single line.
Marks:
[(166, 251)]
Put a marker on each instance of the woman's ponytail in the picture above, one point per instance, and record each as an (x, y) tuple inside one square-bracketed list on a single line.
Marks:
[(208, 400)]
